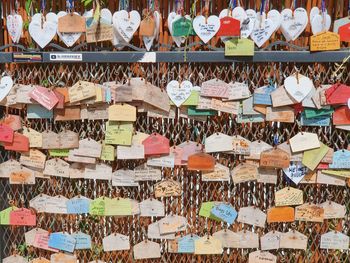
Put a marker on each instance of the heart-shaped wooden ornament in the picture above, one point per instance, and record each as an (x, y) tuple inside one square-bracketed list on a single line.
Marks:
[(298, 86), (126, 24), (276, 18), (262, 34), (206, 29), (14, 24), (247, 26), (69, 39), (6, 84), (179, 93), (43, 33), (293, 24), (319, 22)]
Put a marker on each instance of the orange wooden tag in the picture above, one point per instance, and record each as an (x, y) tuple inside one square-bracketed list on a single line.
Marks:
[(22, 217), (201, 162), (156, 144), (280, 214), (71, 23), (61, 99), (12, 121), (325, 41), (20, 143), (147, 27), (341, 116), (64, 92), (6, 134), (274, 158)]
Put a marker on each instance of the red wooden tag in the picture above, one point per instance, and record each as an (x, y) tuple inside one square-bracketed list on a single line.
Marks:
[(156, 144), (337, 94), (323, 166), (341, 116), (44, 96), (22, 217), (229, 27), (20, 143), (6, 134), (344, 32), (61, 99)]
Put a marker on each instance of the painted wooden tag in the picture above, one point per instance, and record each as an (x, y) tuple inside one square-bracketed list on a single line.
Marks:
[(280, 214), (325, 42)]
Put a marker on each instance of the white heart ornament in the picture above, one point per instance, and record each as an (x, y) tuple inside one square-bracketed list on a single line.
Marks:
[(172, 17), (293, 25), (179, 93), (247, 26), (206, 29), (261, 35), (68, 39), (299, 87), (14, 25), (6, 84), (320, 23), (276, 18), (42, 34), (126, 23), (106, 15)]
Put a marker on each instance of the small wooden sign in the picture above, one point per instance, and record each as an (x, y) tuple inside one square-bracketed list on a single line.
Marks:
[(99, 32), (325, 41), (71, 23), (280, 214), (239, 47)]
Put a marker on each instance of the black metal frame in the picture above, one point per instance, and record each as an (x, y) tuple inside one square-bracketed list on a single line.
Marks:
[(190, 57)]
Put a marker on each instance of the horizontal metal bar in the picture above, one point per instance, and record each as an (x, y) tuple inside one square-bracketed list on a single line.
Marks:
[(179, 56)]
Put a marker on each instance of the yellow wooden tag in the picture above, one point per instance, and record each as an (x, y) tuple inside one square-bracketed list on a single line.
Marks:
[(289, 196), (239, 47), (340, 173), (119, 133), (81, 91), (312, 158), (117, 207), (122, 112), (325, 41), (35, 138), (107, 153), (207, 245)]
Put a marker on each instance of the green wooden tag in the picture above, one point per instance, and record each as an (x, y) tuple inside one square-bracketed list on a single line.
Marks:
[(59, 152), (5, 215), (194, 112), (239, 47), (311, 113), (183, 28)]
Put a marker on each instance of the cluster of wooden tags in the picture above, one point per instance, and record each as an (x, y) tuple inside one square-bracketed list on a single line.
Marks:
[(302, 159), (233, 25)]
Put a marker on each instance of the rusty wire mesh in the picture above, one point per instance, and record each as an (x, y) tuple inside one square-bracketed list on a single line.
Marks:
[(194, 190)]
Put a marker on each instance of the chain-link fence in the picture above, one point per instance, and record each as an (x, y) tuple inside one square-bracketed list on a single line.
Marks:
[(195, 191)]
